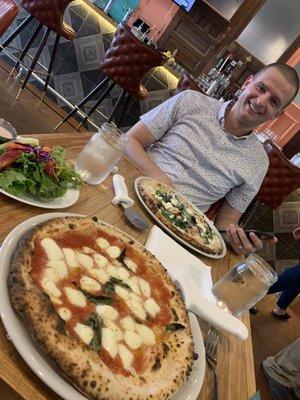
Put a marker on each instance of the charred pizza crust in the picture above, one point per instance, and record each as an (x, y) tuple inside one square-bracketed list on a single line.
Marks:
[(147, 188), (82, 366)]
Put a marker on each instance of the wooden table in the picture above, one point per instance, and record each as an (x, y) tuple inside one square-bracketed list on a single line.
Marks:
[(235, 364)]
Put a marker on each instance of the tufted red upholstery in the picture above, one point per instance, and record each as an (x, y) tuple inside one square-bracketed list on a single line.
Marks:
[(50, 13), (282, 178), (8, 11), (128, 59), (187, 81)]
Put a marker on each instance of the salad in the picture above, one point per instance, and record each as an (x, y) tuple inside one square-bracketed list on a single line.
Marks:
[(38, 171)]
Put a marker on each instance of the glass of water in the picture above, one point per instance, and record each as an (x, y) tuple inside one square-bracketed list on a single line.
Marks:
[(244, 285), (100, 154)]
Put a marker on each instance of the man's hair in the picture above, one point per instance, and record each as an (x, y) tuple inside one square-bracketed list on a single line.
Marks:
[(288, 72)]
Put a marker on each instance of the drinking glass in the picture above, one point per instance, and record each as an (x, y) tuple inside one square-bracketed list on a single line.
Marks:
[(244, 285), (100, 154)]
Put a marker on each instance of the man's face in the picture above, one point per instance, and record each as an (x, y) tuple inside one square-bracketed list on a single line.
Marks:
[(263, 98)]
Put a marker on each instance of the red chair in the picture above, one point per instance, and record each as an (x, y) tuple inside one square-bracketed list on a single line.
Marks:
[(187, 81), (49, 14), (125, 63), (8, 11)]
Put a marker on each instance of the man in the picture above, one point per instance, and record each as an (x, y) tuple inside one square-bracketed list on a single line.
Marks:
[(208, 151), (283, 372)]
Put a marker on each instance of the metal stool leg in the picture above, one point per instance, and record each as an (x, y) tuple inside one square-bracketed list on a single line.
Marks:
[(34, 61), (53, 56), (31, 39), (116, 106), (83, 101), (101, 98), (125, 107), (16, 32)]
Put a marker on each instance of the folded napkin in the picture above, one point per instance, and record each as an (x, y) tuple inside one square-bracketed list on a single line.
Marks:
[(193, 277)]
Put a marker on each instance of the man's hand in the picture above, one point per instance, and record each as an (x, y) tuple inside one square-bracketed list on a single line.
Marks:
[(241, 243)]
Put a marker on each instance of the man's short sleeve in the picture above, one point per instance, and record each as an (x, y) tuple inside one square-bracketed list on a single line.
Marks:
[(161, 118), (241, 196)]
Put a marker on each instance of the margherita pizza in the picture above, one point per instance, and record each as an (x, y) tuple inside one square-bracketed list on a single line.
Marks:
[(180, 216), (103, 308)]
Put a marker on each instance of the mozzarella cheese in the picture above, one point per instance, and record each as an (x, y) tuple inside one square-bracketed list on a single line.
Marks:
[(101, 261), (50, 288), (109, 342), (146, 334), (113, 327), (130, 264), (133, 285), (126, 356), (52, 250), (87, 250), (70, 257), (56, 300), (84, 332), (64, 313), (85, 260), (100, 274), (75, 297), (145, 287), (59, 266), (89, 285), (113, 251), (102, 243), (112, 271), (151, 307), (51, 274), (107, 312), (132, 339), (135, 297), (137, 309), (123, 273), (122, 292), (128, 323)]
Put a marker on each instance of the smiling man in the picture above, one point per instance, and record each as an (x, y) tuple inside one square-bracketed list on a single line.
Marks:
[(207, 150)]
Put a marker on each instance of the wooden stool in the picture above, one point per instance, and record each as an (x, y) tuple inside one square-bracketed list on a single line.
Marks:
[(8, 11), (125, 63), (52, 17)]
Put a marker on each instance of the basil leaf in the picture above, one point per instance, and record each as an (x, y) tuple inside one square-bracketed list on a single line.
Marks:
[(109, 287), (98, 299), (95, 322), (174, 326)]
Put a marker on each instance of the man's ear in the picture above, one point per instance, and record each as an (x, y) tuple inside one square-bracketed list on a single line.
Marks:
[(247, 81)]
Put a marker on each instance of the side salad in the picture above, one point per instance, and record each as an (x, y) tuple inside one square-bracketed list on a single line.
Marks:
[(38, 171)]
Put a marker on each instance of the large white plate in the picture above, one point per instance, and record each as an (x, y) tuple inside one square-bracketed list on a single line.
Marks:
[(37, 359), (210, 223), (69, 198)]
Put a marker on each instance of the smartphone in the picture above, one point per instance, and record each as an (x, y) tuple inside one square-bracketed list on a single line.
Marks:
[(260, 234)]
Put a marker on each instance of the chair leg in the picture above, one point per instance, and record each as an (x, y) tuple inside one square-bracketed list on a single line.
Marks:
[(83, 101), (125, 108), (116, 106), (16, 32), (49, 72), (27, 46), (101, 98), (34, 61), (246, 217)]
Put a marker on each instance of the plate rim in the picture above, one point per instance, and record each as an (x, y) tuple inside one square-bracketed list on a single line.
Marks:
[(47, 205), (53, 378), (174, 235)]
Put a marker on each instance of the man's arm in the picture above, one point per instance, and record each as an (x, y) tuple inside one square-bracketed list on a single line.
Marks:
[(227, 219), (139, 139)]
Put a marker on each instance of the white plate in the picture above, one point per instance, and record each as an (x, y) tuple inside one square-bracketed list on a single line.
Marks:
[(68, 199), (37, 359), (210, 223)]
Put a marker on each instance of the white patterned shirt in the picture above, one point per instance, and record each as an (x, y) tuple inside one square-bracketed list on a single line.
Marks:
[(205, 162)]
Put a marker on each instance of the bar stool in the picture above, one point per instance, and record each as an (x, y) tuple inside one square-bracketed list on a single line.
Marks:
[(8, 11), (49, 13), (125, 63)]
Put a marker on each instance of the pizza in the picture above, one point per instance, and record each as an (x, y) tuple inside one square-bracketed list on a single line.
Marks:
[(180, 216), (103, 308)]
